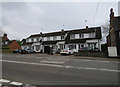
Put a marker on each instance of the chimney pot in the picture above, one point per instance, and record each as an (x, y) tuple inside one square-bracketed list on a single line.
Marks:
[(40, 32), (62, 30), (5, 34), (86, 26)]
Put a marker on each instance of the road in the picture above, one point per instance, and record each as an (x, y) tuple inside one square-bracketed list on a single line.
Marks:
[(58, 70)]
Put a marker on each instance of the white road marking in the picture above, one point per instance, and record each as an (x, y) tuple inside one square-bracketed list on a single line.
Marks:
[(100, 61), (54, 62), (16, 83), (4, 81), (60, 66), (87, 60)]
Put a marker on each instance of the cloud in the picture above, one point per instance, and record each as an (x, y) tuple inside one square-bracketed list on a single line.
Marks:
[(21, 19)]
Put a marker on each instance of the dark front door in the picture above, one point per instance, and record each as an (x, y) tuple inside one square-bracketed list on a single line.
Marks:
[(46, 49)]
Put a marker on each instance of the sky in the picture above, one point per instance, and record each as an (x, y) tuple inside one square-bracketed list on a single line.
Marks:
[(22, 19)]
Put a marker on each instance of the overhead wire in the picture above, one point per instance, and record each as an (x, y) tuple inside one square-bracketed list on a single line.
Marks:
[(95, 12)]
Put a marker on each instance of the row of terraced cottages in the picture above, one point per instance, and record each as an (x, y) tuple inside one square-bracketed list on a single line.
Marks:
[(73, 39)]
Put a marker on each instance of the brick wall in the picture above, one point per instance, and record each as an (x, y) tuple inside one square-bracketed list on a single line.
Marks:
[(112, 38)]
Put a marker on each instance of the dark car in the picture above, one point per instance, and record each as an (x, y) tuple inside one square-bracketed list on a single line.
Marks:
[(23, 52), (17, 51), (58, 51), (26, 51)]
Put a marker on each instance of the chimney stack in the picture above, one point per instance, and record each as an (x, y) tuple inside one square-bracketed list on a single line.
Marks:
[(111, 14), (62, 30), (86, 26), (5, 35), (40, 32)]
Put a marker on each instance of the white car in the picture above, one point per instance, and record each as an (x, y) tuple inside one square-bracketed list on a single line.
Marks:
[(66, 51)]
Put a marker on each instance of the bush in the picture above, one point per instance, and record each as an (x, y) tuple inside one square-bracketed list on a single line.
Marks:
[(5, 47)]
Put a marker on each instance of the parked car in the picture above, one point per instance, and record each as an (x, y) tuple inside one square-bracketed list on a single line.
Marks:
[(17, 51), (30, 51), (66, 51), (23, 52), (58, 51)]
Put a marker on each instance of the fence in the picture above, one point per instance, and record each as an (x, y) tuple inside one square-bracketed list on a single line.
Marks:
[(90, 54)]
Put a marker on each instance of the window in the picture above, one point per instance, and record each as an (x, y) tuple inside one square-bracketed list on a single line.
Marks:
[(72, 36), (82, 45), (72, 46), (32, 39), (95, 45), (54, 37), (81, 35), (62, 46), (37, 39), (91, 35), (6, 43), (48, 38), (62, 37)]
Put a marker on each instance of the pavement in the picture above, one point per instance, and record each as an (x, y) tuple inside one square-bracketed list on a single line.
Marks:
[(43, 69)]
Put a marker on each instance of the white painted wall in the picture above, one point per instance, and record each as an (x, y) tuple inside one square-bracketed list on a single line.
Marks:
[(77, 47), (35, 39), (30, 40)]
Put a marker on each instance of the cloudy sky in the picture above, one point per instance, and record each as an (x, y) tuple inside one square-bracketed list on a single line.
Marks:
[(21, 19)]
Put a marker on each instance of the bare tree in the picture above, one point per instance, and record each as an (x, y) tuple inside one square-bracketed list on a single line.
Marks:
[(105, 31), (1, 31)]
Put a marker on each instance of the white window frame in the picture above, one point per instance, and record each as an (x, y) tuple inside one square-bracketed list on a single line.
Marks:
[(81, 35), (37, 39), (62, 37), (92, 35), (72, 36), (54, 37), (48, 38), (32, 39)]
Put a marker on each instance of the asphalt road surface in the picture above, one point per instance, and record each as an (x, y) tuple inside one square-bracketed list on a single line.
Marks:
[(58, 70)]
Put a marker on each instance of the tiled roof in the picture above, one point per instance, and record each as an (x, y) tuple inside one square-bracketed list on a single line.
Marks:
[(75, 31)]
